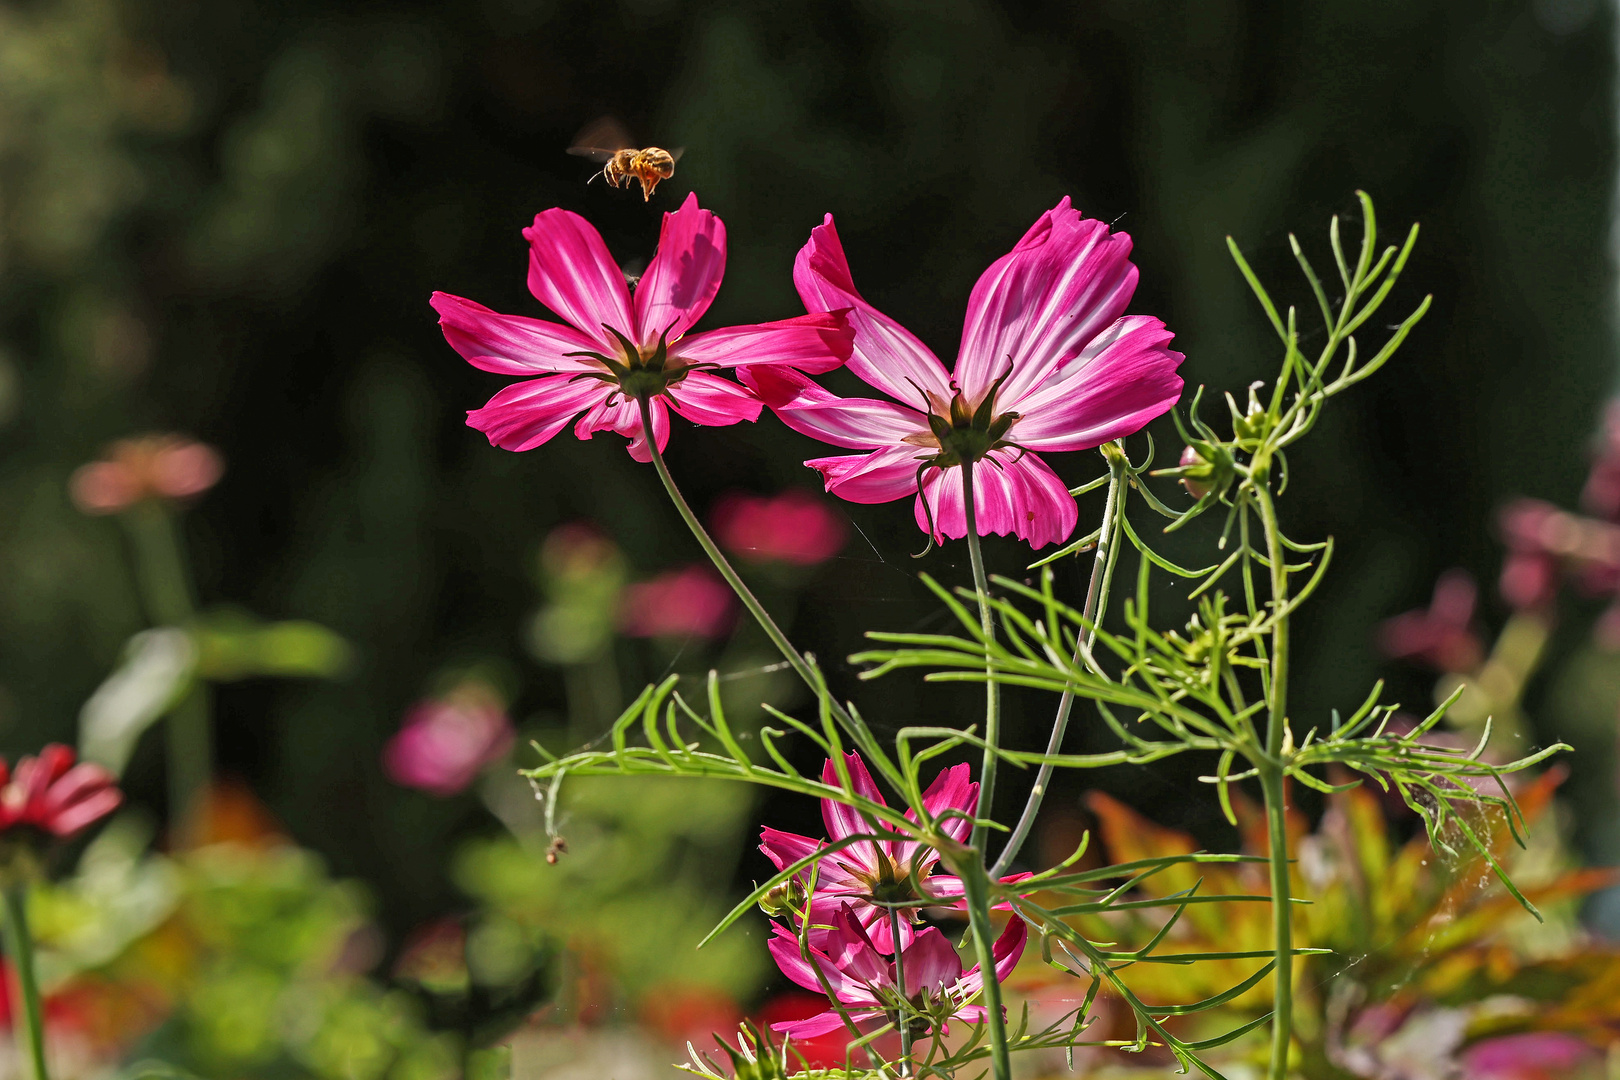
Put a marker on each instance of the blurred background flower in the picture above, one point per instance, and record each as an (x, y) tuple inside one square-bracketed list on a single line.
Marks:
[(794, 527)]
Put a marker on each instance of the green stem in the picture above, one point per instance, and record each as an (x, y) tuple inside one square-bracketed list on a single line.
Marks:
[(976, 891), (792, 655), (1096, 604), (900, 1020), (21, 949), (167, 593), (1271, 771), (992, 689), (976, 883)]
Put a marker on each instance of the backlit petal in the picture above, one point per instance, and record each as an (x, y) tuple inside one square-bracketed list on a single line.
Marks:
[(886, 354), (1061, 284), (878, 477), (930, 963), (1013, 492), (1124, 379), (953, 789), (785, 848), (816, 343), (571, 272), (684, 275), (624, 417), (528, 413), (708, 399), (808, 408), (510, 344)]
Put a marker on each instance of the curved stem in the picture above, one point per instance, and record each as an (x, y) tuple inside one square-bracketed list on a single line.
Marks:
[(20, 947), (792, 655), (900, 1021), (1096, 605), (1278, 743)]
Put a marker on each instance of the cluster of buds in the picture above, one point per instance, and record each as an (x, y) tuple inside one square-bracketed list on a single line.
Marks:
[(852, 928), (169, 467)]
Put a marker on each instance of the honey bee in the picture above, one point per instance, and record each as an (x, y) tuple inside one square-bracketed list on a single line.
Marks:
[(606, 141)]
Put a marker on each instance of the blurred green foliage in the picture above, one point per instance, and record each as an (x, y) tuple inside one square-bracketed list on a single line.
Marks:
[(226, 218)]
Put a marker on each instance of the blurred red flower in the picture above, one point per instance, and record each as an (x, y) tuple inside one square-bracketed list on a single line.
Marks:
[(445, 743), (153, 466), (691, 602), (52, 794), (1441, 634), (1532, 1055), (793, 527)]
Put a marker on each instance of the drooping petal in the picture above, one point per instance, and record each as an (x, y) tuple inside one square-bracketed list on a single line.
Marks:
[(879, 477), (784, 947), (1124, 379), (571, 272), (510, 344), (1013, 492), (708, 399), (1005, 951), (684, 275), (528, 413), (856, 955), (952, 789), (818, 342), (624, 417), (785, 848), (930, 963), (1061, 284), (808, 408), (886, 355)]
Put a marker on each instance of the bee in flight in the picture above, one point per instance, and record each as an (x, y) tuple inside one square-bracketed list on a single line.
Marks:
[(606, 141)]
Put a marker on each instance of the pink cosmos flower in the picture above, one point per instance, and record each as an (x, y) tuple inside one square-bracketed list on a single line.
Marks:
[(863, 980), (885, 871), (1049, 361), (154, 466), (793, 527), (444, 744), (612, 347), (1532, 1055), (52, 794), (691, 602)]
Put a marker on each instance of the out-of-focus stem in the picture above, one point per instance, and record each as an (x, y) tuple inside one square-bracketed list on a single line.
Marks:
[(1095, 606), (20, 947), (169, 599), (1271, 786)]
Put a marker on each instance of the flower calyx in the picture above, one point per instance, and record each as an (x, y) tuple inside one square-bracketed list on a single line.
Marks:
[(970, 433), (640, 372), (1205, 469)]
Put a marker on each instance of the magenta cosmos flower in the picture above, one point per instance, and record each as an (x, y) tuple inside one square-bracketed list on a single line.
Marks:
[(1049, 361), (612, 348), (863, 979), (872, 872), (52, 794), (445, 744)]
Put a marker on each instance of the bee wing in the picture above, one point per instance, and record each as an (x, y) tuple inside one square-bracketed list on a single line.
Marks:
[(604, 135), (675, 154), (595, 153)]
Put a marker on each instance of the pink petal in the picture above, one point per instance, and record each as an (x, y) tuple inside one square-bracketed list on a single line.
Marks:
[(820, 1024), (953, 789), (1122, 380), (708, 399), (856, 956), (878, 477), (510, 344), (526, 414), (886, 354), (785, 848), (860, 423), (571, 272), (815, 343), (1043, 301), (784, 947), (624, 417), (876, 921), (945, 887), (1013, 492), (684, 275), (843, 820), (930, 963), (87, 811), (1006, 951)]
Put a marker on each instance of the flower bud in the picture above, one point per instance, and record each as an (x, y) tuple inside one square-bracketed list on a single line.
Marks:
[(783, 899), (1196, 480)]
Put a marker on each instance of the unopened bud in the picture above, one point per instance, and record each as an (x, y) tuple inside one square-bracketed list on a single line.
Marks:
[(1197, 479), (783, 898)]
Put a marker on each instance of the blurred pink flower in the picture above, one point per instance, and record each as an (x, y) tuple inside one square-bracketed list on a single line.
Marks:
[(611, 347), (1601, 495), (691, 602), (793, 527), (1532, 1055), (154, 466), (863, 979), (445, 743), (1049, 361), (1441, 634), (52, 794)]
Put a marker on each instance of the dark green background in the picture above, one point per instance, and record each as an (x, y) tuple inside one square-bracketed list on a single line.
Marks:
[(226, 217)]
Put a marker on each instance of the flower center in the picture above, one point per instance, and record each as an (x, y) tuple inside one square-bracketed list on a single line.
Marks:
[(967, 433), (639, 371)]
